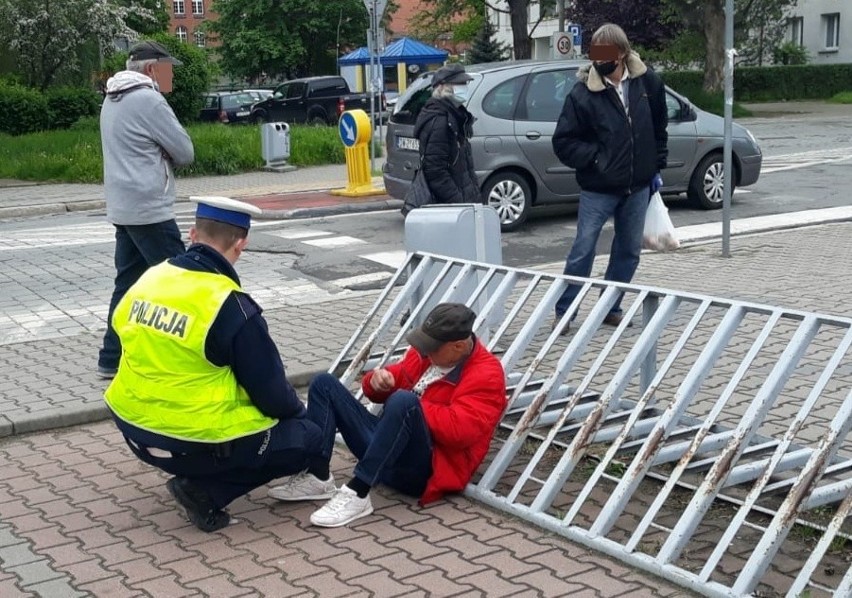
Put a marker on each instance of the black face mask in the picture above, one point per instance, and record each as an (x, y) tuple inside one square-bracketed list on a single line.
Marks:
[(606, 68)]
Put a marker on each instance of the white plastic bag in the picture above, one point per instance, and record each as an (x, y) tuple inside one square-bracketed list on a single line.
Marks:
[(659, 233)]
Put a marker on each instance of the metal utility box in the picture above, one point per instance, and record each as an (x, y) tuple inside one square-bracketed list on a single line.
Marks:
[(275, 144), (465, 231)]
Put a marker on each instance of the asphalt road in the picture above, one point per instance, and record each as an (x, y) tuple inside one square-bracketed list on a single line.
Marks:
[(806, 166)]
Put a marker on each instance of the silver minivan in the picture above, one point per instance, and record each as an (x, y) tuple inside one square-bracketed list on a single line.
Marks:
[(517, 104)]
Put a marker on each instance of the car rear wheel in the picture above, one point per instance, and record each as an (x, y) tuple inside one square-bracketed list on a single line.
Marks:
[(259, 118), (707, 185), (318, 120), (510, 195)]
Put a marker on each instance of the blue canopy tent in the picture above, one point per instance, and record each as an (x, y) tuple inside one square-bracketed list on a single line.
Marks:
[(405, 49), (401, 53)]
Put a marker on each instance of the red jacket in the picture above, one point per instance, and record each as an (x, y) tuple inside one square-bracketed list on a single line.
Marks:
[(462, 410)]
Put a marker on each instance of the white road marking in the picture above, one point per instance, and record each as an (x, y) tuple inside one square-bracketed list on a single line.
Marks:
[(795, 160), (333, 242), (299, 233), (362, 279), (394, 259)]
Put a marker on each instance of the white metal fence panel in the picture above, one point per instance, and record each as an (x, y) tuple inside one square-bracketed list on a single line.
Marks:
[(702, 439)]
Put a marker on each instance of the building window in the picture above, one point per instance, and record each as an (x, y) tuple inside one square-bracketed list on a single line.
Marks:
[(198, 7), (831, 26), (199, 38), (797, 27), (180, 32), (179, 7)]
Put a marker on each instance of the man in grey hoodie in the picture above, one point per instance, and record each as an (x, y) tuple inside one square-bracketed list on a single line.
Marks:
[(142, 142)]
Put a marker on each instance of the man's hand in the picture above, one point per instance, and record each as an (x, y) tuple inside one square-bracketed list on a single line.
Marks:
[(656, 183), (382, 380)]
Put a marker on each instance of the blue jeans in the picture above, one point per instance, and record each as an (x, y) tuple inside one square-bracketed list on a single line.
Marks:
[(394, 448), (137, 248), (628, 213)]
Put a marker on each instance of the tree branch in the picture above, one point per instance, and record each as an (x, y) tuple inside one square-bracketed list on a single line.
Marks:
[(495, 9)]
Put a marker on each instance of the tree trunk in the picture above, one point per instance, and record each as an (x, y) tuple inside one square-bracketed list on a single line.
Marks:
[(520, 35), (714, 39)]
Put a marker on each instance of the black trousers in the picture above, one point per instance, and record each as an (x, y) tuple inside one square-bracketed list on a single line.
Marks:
[(229, 470)]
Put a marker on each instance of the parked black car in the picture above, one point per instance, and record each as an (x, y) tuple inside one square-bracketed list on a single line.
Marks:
[(227, 107), (314, 100)]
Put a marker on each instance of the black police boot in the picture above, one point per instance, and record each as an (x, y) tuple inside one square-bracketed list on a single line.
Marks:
[(197, 505)]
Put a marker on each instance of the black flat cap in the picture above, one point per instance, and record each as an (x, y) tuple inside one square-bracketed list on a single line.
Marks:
[(149, 50)]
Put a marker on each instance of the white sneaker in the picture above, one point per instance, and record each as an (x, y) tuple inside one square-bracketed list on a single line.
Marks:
[(344, 507), (304, 486)]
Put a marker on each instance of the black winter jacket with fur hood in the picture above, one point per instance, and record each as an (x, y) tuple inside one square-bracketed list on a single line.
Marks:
[(613, 150)]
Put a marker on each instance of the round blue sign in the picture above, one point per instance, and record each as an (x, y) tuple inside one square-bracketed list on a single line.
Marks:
[(348, 129)]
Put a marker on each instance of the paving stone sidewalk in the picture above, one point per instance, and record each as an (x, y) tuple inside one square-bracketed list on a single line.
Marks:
[(80, 517)]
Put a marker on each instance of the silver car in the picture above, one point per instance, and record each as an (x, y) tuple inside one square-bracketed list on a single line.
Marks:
[(517, 105)]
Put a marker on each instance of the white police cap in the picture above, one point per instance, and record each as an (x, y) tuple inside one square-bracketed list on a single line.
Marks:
[(224, 209)]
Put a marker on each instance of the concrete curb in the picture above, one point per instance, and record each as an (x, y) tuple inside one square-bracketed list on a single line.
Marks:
[(51, 209), (346, 208)]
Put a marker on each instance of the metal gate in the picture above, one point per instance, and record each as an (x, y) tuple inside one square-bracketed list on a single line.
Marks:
[(702, 439)]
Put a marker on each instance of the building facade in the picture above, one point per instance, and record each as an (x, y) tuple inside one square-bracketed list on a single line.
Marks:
[(823, 28), (186, 17)]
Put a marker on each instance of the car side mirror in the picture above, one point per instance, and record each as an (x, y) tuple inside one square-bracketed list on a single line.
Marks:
[(689, 113)]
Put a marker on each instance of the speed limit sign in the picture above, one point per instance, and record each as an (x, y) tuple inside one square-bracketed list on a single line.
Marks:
[(563, 45)]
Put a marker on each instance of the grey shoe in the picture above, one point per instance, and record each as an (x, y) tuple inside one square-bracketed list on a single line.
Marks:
[(106, 373), (304, 486)]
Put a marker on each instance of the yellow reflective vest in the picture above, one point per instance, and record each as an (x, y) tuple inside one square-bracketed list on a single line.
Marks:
[(165, 384)]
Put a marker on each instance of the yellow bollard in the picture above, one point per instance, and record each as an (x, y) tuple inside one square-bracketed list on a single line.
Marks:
[(356, 132)]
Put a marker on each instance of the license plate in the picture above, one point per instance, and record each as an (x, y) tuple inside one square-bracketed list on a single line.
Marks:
[(408, 143), (242, 113)]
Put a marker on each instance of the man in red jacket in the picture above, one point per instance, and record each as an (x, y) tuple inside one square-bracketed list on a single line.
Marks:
[(442, 403)]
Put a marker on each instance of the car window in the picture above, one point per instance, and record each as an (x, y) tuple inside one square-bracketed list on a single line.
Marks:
[(281, 92), (331, 87), (673, 107), (409, 105), (545, 95), (211, 101), (501, 101), (236, 100), (295, 90)]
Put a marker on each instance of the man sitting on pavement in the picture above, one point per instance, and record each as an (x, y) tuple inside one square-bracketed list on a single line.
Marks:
[(442, 403), (200, 390)]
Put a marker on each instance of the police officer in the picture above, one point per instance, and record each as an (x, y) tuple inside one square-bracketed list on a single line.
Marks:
[(200, 390)]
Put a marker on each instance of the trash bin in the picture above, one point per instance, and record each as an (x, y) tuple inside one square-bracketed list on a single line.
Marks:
[(465, 231), (275, 143)]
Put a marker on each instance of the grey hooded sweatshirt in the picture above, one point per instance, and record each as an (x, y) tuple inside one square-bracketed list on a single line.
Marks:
[(141, 140)]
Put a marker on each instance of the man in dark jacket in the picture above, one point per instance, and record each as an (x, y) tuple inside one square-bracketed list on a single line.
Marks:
[(444, 127), (200, 391), (612, 131)]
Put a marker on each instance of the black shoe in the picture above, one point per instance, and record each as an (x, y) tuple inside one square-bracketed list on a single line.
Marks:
[(615, 320), (197, 506), (566, 328)]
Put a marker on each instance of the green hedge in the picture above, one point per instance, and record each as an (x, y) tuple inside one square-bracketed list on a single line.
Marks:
[(67, 105), (773, 83), (74, 155), (22, 110)]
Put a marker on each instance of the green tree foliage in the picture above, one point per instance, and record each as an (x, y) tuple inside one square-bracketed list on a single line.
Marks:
[(641, 21), (485, 48), (156, 21), (272, 39), (758, 28), (191, 79), (48, 37), (790, 53)]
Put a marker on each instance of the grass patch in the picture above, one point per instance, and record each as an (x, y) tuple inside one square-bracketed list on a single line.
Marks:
[(74, 156), (844, 97)]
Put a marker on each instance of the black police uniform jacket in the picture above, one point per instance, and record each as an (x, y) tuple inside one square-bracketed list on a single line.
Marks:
[(443, 128), (613, 150)]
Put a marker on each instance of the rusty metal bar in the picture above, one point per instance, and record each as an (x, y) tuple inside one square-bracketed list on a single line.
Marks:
[(712, 483)]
